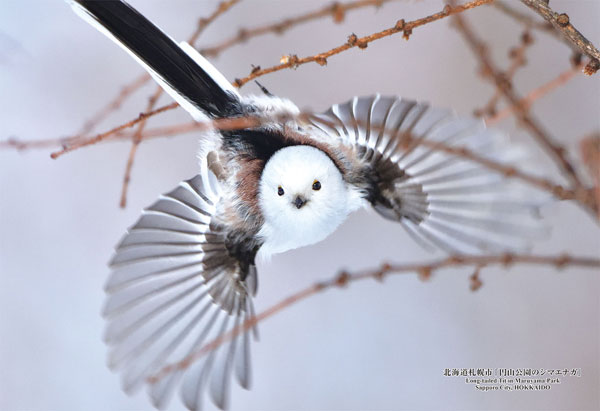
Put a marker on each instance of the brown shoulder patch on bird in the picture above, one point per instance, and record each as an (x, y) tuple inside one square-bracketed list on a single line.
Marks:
[(248, 178)]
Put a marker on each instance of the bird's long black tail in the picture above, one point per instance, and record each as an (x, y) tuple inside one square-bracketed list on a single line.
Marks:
[(190, 79)]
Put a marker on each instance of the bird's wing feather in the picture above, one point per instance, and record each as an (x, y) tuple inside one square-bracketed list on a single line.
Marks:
[(184, 74), (173, 288), (442, 200)]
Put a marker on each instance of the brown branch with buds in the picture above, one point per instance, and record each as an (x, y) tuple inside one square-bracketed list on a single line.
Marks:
[(114, 104), (535, 94), (523, 18), (542, 137), (406, 28), (136, 140), (517, 56), (204, 22), (401, 26), (562, 23), (343, 279), (336, 10), (78, 142)]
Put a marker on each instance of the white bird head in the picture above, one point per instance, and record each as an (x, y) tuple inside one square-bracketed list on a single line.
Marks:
[(303, 197)]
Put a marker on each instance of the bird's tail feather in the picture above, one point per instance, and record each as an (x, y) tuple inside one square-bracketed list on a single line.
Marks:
[(184, 74)]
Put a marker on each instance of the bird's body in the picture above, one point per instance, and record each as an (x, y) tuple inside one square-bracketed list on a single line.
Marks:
[(185, 272), (270, 176)]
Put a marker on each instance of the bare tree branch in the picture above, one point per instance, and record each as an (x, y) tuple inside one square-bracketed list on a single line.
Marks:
[(335, 10), (204, 22), (424, 270), (136, 140), (556, 151), (527, 20), (401, 26), (535, 94), (78, 143), (561, 22), (114, 104), (518, 60)]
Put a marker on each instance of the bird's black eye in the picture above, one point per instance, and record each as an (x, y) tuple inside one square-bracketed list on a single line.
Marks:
[(316, 185), (280, 191)]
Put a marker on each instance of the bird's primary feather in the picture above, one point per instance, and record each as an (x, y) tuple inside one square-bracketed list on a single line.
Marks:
[(175, 286), (442, 200)]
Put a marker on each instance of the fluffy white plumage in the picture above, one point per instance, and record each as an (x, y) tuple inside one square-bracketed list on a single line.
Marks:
[(293, 171), (272, 106)]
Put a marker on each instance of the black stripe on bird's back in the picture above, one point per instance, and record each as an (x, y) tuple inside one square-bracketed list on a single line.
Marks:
[(260, 144), (164, 56)]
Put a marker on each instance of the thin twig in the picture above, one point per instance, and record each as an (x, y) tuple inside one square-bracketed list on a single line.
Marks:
[(401, 26), (556, 190), (517, 56), (204, 22), (531, 23), (562, 23), (114, 104), (102, 136), (556, 151), (535, 94), (527, 20), (20, 145), (336, 10), (136, 140), (424, 270)]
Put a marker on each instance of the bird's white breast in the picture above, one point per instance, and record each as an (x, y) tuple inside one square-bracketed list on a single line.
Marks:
[(282, 234)]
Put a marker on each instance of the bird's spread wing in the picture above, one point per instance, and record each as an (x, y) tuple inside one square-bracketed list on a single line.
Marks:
[(442, 200), (173, 288)]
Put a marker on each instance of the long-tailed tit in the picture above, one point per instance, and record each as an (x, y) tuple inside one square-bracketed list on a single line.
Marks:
[(185, 271)]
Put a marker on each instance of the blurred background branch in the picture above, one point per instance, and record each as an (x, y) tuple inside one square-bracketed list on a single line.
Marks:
[(521, 110), (335, 10), (424, 270)]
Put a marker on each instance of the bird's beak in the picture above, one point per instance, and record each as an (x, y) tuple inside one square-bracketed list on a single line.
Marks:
[(299, 202)]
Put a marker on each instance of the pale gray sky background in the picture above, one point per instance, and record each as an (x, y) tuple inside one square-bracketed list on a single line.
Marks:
[(370, 346)]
